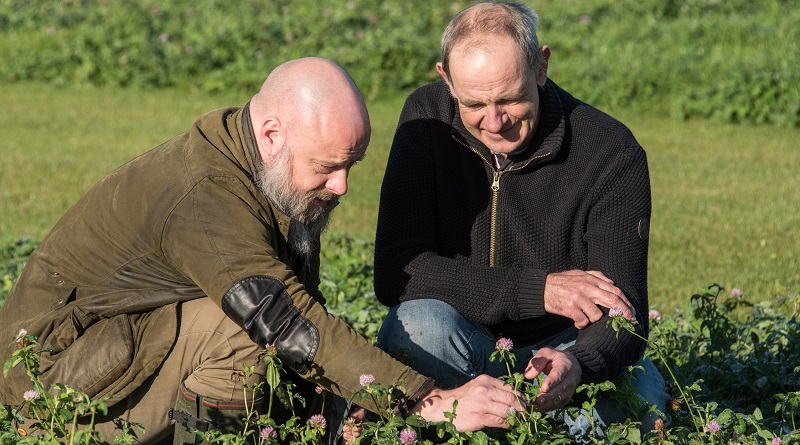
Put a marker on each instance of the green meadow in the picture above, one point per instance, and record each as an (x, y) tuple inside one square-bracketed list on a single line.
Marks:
[(725, 197)]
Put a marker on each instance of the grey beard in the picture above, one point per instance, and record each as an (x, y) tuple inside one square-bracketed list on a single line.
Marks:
[(308, 222), (301, 241)]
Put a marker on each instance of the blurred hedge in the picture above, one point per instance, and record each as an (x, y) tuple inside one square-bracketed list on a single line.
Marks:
[(732, 60)]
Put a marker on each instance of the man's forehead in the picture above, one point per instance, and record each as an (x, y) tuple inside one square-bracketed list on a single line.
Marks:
[(332, 155)]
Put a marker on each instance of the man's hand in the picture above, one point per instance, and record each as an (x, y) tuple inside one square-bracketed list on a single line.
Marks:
[(563, 377), (576, 294), (482, 402), (352, 426)]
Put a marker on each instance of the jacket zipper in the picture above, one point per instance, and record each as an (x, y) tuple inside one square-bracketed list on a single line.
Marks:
[(496, 192)]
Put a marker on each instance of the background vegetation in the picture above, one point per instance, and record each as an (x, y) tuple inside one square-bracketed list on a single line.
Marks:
[(733, 60)]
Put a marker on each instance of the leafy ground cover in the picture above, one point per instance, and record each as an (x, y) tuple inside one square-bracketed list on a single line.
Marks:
[(732, 366)]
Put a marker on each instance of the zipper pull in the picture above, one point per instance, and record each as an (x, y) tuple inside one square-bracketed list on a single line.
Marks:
[(496, 181)]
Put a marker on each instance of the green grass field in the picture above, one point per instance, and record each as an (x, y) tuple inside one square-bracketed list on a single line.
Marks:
[(725, 205)]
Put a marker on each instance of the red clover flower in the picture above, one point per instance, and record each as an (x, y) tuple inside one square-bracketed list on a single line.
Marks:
[(777, 441), (712, 427), (30, 394), (654, 315), (366, 379), (408, 437), (317, 422), (269, 433), (505, 344), (615, 312)]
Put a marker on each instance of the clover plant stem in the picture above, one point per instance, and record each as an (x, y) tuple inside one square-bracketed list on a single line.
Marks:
[(630, 329)]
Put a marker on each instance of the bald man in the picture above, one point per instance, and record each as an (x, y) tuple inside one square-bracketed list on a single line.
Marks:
[(174, 271)]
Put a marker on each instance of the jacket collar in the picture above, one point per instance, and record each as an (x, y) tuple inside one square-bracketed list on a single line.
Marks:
[(249, 137), (547, 138)]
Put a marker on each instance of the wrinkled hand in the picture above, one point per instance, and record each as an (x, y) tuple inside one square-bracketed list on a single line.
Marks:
[(563, 377), (352, 426), (482, 402), (576, 294)]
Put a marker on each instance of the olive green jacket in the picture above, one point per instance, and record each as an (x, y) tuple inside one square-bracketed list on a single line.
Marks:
[(182, 221)]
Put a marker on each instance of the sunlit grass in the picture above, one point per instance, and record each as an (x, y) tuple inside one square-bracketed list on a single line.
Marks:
[(725, 205)]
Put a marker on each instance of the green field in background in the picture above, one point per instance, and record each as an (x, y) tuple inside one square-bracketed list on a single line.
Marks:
[(725, 197)]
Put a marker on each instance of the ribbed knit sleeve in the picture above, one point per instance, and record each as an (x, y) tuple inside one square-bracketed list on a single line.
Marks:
[(617, 240)]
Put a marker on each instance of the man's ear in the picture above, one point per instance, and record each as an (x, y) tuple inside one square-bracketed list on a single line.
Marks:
[(270, 136), (541, 75), (440, 69)]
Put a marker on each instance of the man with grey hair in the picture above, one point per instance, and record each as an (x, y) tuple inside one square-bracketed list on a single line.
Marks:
[(181, 266), (511, 209)]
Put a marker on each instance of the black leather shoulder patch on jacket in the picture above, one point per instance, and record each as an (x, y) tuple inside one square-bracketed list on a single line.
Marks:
[(261, 306)]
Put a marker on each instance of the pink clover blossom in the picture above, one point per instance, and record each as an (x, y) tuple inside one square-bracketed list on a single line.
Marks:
[(408, 437), (30, 394), (317, 422), (505, 344), (269, 433), (366, 379)]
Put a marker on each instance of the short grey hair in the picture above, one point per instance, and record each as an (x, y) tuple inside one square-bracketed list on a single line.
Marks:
[(511, 19)]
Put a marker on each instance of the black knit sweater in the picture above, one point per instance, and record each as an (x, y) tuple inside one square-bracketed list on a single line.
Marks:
[(580, 199)]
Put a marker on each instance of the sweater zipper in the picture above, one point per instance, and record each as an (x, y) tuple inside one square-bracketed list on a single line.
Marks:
[(496, 192)]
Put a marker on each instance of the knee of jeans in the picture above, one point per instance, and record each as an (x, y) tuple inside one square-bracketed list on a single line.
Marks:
[(419, 324), (649, 384)]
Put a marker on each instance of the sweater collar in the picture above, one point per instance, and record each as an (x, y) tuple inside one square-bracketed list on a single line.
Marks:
[(547, 138)]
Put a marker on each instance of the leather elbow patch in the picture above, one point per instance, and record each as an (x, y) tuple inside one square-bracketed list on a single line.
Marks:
[(261, 306)]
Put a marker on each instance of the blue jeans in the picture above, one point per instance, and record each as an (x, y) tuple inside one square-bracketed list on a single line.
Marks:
[(438, 342)]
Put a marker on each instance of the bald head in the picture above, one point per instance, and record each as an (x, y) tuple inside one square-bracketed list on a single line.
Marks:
[(311, 126), (310, 94)]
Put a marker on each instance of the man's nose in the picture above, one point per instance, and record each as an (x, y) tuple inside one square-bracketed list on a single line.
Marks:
[(494, 118), (337, 182)]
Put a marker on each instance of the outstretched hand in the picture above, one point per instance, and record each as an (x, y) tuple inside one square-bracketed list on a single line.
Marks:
[(579, 294), (563, 377), (482, 402)]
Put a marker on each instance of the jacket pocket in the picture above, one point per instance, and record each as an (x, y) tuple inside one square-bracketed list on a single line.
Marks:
[(96, 359)]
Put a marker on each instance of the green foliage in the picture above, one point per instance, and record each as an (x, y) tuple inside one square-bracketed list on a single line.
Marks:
[(728, 60), (732, 61), (737, 355), (215, 45), (12, 259), (346, 273)]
